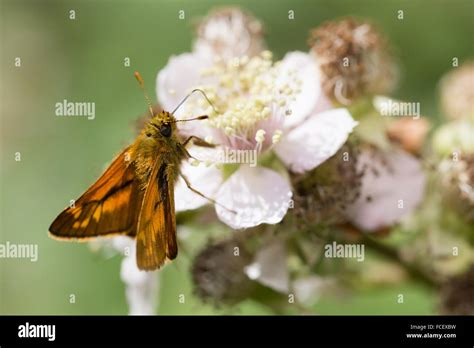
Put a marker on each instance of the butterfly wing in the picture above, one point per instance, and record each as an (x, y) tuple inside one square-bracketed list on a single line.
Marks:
[(156, 234), (108, 207)]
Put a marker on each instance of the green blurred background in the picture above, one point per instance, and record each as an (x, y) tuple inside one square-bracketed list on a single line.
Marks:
[(82, 60)]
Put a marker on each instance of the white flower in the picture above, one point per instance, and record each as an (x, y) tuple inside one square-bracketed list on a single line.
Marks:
[(270, 267), (141, 287), (309, 289), (392, 187), (261, 107)]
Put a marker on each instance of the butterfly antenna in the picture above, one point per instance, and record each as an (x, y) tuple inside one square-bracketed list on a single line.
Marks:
[(194, 91), (203, 117), (142, 86)]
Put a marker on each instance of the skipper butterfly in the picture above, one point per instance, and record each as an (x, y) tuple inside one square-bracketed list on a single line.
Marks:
[(135, 195)]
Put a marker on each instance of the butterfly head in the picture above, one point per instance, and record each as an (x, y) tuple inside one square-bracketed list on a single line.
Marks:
[(162, 124)]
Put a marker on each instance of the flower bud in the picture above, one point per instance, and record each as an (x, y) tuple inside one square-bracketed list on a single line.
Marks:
[(409, 133), (456, 136), (457, 92), (218, 272)]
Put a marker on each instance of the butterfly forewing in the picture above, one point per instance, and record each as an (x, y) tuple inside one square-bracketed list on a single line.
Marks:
[(108, 207), (156, 237)]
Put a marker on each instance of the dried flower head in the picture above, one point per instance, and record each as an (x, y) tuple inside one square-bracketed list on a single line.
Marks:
[(457, 92), (457, 294), (458, 184), (353, 58), (218, 272), (230, 32), (323, 194)]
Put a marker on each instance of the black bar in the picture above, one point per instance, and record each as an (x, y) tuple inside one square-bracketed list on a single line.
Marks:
[(288, 330)]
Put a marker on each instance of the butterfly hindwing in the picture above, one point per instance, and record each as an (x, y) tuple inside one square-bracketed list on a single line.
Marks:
[(156, 236), (108, 207)]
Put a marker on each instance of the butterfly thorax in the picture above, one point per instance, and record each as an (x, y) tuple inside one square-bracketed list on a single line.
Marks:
[(157, 144)]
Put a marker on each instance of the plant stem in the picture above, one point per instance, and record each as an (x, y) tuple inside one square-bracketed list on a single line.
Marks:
[(414, 270)]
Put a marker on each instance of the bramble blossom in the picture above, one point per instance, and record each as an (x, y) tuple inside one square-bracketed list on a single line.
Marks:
[(260, 106)]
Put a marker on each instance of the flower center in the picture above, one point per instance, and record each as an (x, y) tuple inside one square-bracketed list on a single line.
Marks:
[(249, 99)]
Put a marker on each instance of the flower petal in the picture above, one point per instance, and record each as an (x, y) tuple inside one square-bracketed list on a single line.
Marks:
[(270, 267), (257, 195), (301, 66), (141, 286), (395, 178), (205, 179), (309, 289), (313, 142), (207, 154), (111, 246), (178, 78)]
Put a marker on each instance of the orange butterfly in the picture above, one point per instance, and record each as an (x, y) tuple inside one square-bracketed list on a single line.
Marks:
[(135, 195)]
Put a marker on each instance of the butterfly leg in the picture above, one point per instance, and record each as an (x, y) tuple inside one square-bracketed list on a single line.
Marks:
[(198, 141), (188, 184)]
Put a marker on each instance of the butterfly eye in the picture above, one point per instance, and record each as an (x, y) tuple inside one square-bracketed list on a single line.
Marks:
[(165, 130)]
